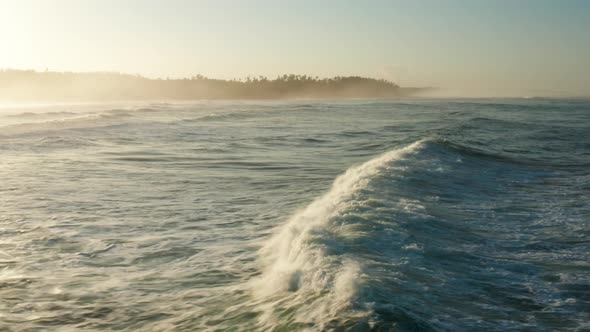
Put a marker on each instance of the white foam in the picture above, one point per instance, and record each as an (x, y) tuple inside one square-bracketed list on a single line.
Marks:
[(298, 267)]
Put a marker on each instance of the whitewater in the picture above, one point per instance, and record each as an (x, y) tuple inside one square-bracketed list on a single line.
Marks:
[(302, 215)]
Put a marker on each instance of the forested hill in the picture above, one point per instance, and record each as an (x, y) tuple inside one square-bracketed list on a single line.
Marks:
[(28, 85)]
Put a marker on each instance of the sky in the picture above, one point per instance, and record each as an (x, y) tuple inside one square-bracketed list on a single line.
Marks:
[(528, 47)]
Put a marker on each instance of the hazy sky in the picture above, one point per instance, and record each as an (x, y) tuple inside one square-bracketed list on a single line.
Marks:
[(529, 47)]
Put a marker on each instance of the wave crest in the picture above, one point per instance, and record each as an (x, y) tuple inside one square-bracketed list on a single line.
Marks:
[(298, 263)]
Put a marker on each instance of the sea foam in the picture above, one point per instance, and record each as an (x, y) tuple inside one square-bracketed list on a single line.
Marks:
[(295, 261)]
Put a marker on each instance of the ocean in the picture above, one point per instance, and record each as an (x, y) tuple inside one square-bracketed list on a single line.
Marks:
[(302, 215)]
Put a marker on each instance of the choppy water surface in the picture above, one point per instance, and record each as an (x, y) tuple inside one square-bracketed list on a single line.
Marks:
[(442, 215)]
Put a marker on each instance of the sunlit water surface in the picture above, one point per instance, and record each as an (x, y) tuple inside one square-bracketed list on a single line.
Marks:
[(442, 215)]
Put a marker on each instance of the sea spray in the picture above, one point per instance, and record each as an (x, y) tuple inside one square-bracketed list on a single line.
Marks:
[(296, 263)]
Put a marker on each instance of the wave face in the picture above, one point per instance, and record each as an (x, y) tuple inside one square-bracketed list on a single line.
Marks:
[(374, 215), (311, 256)]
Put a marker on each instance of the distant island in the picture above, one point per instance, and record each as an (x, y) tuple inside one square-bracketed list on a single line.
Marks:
[(29, 85)]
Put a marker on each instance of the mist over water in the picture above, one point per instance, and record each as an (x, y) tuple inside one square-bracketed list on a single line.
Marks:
[(437, 215)]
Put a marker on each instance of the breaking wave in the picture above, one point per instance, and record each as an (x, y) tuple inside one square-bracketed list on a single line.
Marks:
[(304, 259)]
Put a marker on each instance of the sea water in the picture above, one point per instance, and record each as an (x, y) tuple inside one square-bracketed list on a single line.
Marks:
[(403, 215)]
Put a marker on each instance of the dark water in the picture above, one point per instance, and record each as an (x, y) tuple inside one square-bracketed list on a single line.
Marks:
[(410, 215)]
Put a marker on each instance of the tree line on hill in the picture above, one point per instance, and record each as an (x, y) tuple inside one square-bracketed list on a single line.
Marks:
[(29, 85)]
